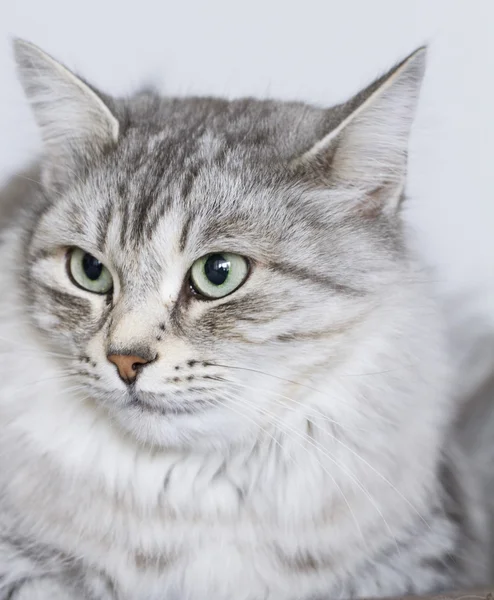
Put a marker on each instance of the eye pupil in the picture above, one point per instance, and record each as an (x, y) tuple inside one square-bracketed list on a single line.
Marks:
[(92, 267), (217, 269)]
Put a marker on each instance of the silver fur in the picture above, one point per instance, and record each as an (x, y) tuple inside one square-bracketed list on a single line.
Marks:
[(291, 441)]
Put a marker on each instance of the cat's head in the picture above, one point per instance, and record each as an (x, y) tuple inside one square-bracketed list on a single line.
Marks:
[(203, 263)]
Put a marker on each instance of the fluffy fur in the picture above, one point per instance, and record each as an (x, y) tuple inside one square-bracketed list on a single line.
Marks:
[(290, 441)]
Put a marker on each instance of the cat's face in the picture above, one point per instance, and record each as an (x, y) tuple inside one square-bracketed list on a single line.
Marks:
[(288, 279), (199, 278)]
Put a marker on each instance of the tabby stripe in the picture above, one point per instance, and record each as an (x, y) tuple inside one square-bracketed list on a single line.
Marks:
[(184, 236), (290, 270)]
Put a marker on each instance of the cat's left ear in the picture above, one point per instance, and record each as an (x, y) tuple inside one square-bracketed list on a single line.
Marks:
[(75, 122), (367, 149)]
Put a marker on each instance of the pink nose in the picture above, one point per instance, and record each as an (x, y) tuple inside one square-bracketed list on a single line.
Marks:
[(128, 366)]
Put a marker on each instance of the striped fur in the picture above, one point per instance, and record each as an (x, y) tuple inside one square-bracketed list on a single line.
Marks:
[(290, 441)]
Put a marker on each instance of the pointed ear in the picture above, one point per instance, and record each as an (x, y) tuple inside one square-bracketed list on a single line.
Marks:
[(75, 123), (367, 151)]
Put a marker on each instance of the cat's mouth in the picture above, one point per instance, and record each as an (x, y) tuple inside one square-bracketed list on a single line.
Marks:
[(167, 404)]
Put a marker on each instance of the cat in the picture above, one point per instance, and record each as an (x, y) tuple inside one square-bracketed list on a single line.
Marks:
[(224, 373)]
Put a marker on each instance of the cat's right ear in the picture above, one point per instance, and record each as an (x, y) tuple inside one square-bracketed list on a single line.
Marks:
[(76, 124)]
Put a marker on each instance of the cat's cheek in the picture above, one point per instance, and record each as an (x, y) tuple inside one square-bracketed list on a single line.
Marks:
[(47, 321), (64, 317), (94, 352)]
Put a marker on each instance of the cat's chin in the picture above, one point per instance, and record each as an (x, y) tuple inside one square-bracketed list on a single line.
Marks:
[(166, 404), (151, 420)]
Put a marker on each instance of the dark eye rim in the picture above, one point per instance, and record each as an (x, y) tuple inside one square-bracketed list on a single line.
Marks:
[(202, 297), (68, 258)]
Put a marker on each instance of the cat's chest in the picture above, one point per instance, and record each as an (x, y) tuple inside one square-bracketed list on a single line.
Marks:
[(169, 556), (244, 558), (202, 528), (156, 523), (196, 560)]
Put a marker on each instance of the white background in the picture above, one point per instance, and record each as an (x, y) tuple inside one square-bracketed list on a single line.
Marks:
[(321, 51)]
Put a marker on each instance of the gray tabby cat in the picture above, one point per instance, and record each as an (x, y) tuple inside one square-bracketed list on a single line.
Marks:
[(223, 373)]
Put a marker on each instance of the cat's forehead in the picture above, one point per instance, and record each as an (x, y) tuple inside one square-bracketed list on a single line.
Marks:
[(241, 123), (150, 208), (196, 207), (216, 173), (200, 160), (165, 140)]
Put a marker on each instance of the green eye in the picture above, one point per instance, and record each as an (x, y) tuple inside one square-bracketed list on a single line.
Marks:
[(217, 275), (88, 273)]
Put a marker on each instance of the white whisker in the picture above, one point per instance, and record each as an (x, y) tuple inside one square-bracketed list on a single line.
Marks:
[(288, 429), (313, 410), (44, 380), (292, 382), (351, 450)]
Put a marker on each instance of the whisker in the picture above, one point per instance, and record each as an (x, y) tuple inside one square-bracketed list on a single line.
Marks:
[(298, 383), (36, 353), (344, 469), (40, 381), (382, 477), (63, 390), (288, 429), (257, 425), (313, 410), (22, 347), (292, 382), (349, 448)]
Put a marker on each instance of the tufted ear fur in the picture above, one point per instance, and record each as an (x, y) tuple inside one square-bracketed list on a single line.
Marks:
[(75, 123), (368, 149)]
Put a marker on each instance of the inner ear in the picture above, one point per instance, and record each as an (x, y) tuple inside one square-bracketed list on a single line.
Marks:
[(75, 123), (387, 197), (367, 150)]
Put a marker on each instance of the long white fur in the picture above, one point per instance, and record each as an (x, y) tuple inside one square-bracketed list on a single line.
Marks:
[(209, 521)]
